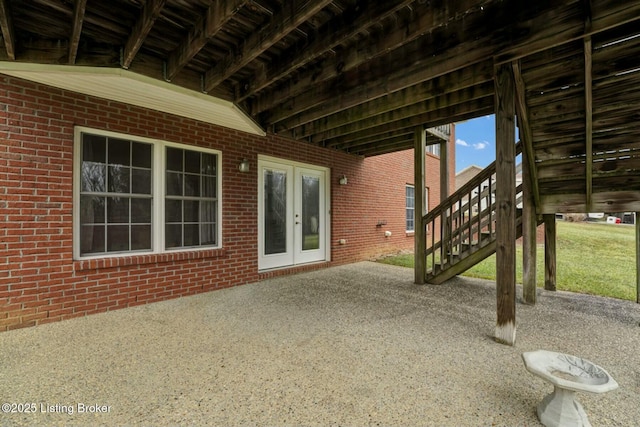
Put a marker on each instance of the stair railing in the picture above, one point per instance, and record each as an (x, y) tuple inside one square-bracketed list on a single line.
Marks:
[(464, 222)]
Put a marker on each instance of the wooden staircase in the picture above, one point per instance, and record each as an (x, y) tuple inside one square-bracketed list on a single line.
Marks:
[(461, 231)]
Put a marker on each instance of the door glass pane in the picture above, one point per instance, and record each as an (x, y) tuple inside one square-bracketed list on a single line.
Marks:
[(275, 212), (310, 212)]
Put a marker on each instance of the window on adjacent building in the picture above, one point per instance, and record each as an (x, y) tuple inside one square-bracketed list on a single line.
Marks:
[(433, 149), (140, 195), (410, 207)]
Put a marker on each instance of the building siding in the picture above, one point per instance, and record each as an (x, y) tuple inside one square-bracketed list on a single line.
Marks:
[(40, 282)]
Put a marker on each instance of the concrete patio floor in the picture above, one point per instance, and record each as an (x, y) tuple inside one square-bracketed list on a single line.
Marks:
[(352, 345)]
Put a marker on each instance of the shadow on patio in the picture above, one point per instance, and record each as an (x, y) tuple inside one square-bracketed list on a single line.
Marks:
[(352, 345)]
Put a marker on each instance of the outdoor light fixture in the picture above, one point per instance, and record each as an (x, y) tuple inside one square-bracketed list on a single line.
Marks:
[(343, 180), (244, 166)]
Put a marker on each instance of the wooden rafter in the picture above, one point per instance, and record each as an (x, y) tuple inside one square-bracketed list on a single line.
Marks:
[(362, 88), (441, 116), (141, 29), (418, 109), (346, 26), (216, 16), (6, 25), (76, 29), (423, 21), (280, 25), (525, 131), (474, 75)]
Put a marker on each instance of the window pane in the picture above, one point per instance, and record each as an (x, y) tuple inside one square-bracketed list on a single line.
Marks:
[(173, 235), (174, 159), (275, 207), (92, 239), (119, 179), (192, 161), (140, 237), (208, 211), (94, 177), (119, 152), (94, 148), (208, 234), (141, 155), (174, 184), (141, 211), (191, 211), (117, 210), (208, 164), (191, 234), (92, 210), (192, 185), (117, 238), (173, 210), (209, 186), (141, 181)]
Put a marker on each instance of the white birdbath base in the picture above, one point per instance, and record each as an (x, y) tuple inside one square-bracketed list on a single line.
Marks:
[(568, 374)]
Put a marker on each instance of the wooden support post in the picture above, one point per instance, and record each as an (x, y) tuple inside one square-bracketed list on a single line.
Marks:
[(444, 171), (637, 223), (549, 252), (420, 235), (529, 235), (505, 206)]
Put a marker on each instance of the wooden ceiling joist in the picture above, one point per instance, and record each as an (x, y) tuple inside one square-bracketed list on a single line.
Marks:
[(6, 25), (215, 18), (526, 136), (150, 13), (76, 29), (281, 24), (362, 16)]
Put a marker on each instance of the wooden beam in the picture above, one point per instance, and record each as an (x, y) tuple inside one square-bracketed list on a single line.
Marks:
[(210, 23), (6, 25), (505, 206), (588, 115), (150, 12), (373, 119), (431, 118), (565, 24), (476, 75), (281, 24), (76, 29), (347, 25), (357, 88), (549, 252), (529, 234), (420, 235), (526, 135)]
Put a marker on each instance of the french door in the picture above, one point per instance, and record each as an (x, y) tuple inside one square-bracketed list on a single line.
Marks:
[(292, 213)]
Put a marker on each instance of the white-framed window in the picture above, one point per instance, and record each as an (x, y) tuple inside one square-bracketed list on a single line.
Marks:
[(410, 207), (433, 149), (141, 195)]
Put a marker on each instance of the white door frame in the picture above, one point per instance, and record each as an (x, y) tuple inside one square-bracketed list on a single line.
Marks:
[(294, 254)]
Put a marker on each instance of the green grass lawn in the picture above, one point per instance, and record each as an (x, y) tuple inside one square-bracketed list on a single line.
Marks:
[(596, 259)]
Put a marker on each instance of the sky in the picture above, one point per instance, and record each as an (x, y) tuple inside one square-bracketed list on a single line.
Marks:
[(475, 142)]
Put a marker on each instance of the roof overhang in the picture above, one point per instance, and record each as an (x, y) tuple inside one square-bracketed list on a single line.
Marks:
[(131, 88)]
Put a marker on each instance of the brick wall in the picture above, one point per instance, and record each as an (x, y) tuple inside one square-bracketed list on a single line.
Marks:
[(40, 282)]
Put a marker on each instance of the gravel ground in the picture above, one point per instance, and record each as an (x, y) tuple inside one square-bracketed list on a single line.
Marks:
[(352, 345)]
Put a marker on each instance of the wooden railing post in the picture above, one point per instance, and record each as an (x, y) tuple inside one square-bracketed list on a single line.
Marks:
[(529, 235), (549, 252)]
